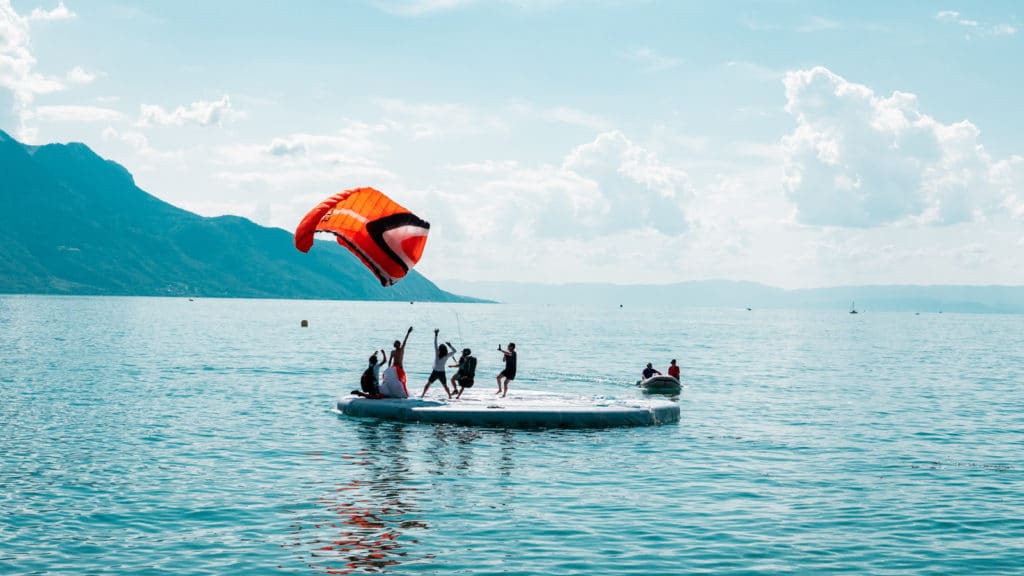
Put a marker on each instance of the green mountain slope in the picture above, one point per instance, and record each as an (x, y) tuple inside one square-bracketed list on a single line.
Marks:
[(74, 223)]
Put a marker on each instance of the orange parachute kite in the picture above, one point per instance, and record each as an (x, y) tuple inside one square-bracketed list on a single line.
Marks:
[(385, 236)]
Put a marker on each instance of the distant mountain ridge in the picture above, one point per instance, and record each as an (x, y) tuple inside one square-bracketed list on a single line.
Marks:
[(738, 294), (72, 222)]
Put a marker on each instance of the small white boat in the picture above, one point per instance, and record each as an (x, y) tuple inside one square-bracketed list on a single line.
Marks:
[(660, 384)]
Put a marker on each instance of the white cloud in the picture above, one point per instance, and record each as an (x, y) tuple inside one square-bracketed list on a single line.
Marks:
[(304, 161), (286, 147), (1004, 30), (17, 67), (201, 113), (756, 71), (61, 12), (857, 159), (78, 75), (606, 186), (73, 114), (574, 117), (985, 29), (354, 143), (426, 121), (817, 24), (652, 60), (139, 143)]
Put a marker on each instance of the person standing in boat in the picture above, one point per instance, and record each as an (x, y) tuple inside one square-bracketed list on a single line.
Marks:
[(509, 373), (650, 371), (441, 357), (673, 370)]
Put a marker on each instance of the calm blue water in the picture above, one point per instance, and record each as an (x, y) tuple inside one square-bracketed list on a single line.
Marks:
[(162, 436)]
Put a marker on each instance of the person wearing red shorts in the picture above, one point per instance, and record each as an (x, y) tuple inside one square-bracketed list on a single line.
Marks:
[(398, 357)]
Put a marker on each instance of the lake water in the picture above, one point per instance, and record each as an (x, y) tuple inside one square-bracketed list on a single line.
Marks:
[(164, 436)]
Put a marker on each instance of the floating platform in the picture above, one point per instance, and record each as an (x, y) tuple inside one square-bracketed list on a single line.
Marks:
[(522, 409)]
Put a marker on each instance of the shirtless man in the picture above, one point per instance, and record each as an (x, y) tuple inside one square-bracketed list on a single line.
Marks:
[(397, 357)]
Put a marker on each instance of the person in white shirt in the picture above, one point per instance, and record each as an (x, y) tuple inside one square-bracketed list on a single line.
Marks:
[(441, 357)]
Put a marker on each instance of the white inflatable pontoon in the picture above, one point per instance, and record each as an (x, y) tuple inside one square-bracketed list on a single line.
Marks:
[(522, 409)]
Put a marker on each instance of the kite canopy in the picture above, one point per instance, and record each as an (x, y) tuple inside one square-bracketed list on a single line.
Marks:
[(385, 236)]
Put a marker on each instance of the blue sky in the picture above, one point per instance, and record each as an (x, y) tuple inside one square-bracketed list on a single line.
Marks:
[(798, 144)]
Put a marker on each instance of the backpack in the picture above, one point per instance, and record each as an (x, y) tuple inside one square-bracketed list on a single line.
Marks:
[(366, 381), (469, 368)]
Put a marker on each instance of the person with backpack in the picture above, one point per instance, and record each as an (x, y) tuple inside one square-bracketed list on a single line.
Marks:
[(463, 377), (370, 380)]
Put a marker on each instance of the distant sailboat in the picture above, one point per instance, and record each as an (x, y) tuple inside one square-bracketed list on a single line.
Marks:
[(853, 307)]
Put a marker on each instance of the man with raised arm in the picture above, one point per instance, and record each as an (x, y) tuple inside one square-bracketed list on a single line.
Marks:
[(394, 377)]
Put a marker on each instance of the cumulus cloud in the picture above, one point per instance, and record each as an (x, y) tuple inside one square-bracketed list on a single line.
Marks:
[(200, 113), (286, 147), (17, 65), (138, 142), (858, 159), (308, 161), (61, 12), (607, 186), (78, 75)]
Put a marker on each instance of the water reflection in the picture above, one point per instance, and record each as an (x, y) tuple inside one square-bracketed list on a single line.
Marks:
[(452, 450), (362, 525)]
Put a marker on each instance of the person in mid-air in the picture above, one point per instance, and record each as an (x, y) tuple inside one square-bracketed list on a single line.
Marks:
[(395, 374), (509, 373), (441, 357), (370, 380), (650, 371), (673, 369), (464, 376)]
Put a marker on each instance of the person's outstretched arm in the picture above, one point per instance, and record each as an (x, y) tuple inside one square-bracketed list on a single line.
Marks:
[(406, 339)]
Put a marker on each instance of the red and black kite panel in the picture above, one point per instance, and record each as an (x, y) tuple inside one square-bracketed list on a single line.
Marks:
[(385, 236)]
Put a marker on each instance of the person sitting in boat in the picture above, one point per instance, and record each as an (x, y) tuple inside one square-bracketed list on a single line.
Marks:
[(463, 377), (650, 371), (673, 369), (370, 380)]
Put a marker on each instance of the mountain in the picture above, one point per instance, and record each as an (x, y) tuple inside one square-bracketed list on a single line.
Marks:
[(731, 294), (74, 223)]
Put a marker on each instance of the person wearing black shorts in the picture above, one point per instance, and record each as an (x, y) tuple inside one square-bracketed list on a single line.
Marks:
[(509, 373), (441, 357)]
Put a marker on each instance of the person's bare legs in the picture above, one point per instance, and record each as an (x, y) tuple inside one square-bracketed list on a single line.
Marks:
[(499, 384), (506, 388)]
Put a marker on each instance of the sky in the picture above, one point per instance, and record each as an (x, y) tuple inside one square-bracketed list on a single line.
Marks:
[(797, 144)]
